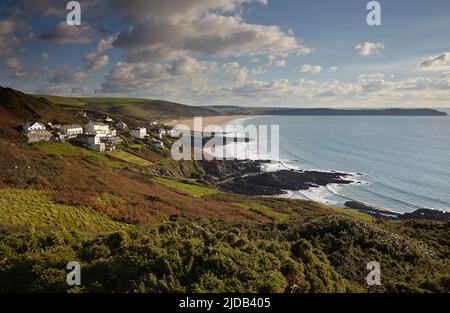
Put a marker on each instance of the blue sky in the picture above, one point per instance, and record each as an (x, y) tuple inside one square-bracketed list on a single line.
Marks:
[(292, 53)]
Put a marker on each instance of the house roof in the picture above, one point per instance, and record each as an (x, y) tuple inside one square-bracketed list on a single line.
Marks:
[(72, 126), (97, 124)]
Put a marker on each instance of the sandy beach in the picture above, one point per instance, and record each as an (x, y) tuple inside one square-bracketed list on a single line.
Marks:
[(207, 121)]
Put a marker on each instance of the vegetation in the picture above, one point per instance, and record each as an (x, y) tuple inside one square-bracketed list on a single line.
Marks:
[(141, 228), (138, 109), (66, 149), (321, 255), (190, 189), (35, 209), (130, 158), (355, 213)]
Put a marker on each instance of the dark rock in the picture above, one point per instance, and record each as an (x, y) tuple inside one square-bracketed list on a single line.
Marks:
[(377, 212), (276, 183), (421, 214), (427, 214)]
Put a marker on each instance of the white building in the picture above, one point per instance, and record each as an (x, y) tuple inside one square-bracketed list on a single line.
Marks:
[(33, 127), (139, 132), (71, 130), (111, 142), (109, 119), (91, 141), (174, 133), (99, 129), (36, 132), (158, 133), (122, 126)]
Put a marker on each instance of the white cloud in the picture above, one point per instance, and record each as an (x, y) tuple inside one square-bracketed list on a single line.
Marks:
[(47, 7), (65, 90), (183, 76), (77, 76), (11, 28), (14, 63), (56, 7), (20, 74), (235, 72), (168, 30), (309, 69), (44, 56), (277, 63), (333, 69), (368, 48), (64, 34), (105, 44), (437, 63), (96, 61)]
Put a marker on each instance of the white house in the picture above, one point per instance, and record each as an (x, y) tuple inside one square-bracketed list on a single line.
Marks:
[(36, 132), (91, 141), (71, 130), (33, 127), (158, 133), (111, 142), (174, 133), (99, 129), (139, 132), (122, 126), (157, 144), (108, 119)]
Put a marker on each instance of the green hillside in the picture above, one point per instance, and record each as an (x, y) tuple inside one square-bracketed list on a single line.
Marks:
[(35, 209), (139, 109), (138, 221)]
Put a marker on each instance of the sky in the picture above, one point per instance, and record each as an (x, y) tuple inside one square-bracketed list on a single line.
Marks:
[(278, 53)]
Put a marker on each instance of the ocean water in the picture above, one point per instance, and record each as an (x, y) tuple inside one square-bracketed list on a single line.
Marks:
[(398, 163)]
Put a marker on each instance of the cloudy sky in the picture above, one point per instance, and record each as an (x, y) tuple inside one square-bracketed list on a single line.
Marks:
[(292, 53)]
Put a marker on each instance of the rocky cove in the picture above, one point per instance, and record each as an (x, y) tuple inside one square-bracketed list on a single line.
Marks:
[(248, 178)]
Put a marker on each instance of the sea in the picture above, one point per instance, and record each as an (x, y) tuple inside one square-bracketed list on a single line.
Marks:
[(396, 163)]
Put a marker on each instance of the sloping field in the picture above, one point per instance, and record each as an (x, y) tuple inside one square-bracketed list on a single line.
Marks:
[(185, 188), (34, 208), (130, 158)]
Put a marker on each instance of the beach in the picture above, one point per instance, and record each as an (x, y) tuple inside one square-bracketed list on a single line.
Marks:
[(207, 121)]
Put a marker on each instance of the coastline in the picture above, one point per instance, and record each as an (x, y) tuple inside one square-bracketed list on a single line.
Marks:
[(209, 120), (253, 178)]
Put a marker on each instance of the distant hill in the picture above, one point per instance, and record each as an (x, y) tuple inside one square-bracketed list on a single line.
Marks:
[(17, 108), (138, 109), (234, 110)]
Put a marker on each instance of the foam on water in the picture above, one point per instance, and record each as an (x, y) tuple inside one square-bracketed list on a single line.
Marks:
[(404, 161)]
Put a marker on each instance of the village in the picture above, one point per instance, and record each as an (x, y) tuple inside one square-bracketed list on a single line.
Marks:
[(101, 135)]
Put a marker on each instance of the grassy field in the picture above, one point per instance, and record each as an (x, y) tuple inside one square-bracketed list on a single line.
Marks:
[(66, 149), (65, 101), (34, 208), (263, 210), (139, 109), (130, 158), (354, 213), (185, 188)]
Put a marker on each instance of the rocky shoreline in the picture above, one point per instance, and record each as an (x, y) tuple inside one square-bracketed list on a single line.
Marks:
[(420, 214), (248, 178), (276, 183)]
